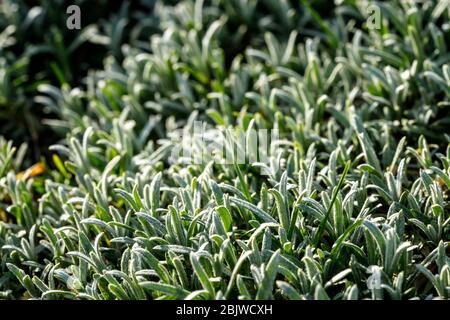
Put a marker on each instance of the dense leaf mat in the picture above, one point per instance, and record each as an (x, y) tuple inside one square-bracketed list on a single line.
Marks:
[(353, 202)]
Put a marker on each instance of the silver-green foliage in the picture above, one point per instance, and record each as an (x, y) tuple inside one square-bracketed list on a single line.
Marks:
[(359, 185)]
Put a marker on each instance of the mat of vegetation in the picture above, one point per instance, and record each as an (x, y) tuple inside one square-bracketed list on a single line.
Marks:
[(355, 200)]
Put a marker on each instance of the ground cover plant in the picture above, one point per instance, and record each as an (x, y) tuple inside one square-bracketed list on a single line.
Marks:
[(351, 202)]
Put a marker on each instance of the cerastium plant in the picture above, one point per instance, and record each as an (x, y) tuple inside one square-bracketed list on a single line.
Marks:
[(349, 201)]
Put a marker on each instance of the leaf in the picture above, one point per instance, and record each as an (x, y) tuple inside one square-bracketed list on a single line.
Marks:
[(176, 292), (366, 144), (377, 235), (202, 275), (226, 217), (33, 171), (252, 208), (281, 209), (330, 207), (270, 273)]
